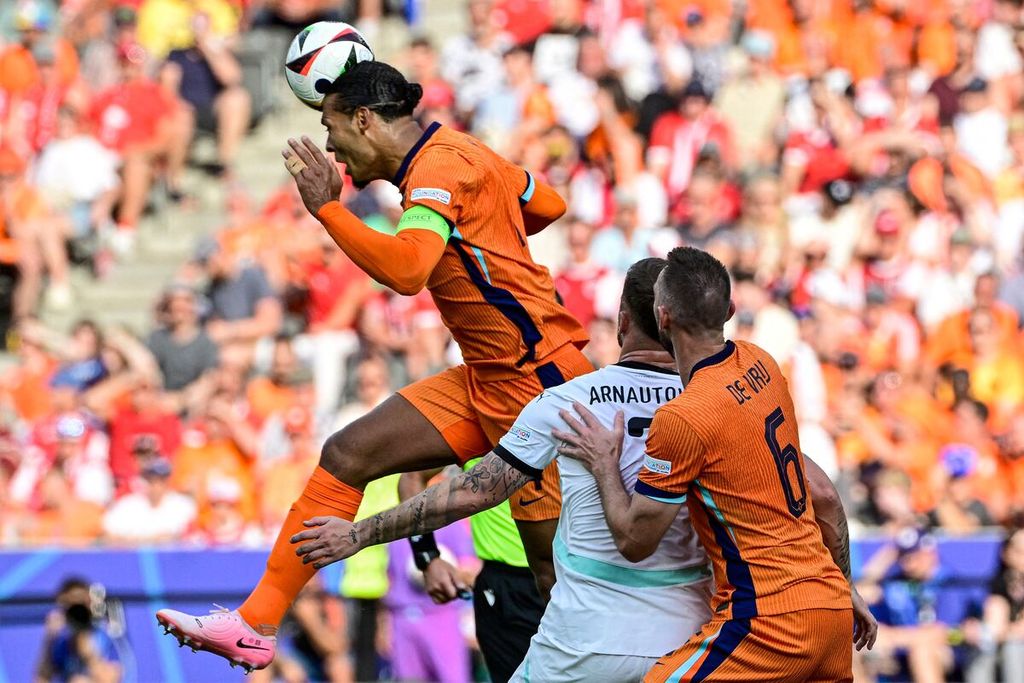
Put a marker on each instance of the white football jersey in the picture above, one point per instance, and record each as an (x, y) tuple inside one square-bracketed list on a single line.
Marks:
[(601, 602)]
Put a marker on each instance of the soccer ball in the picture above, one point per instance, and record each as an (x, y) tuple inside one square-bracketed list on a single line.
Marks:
[(319, 54)]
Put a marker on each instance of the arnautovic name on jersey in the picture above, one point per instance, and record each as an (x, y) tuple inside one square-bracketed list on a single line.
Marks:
[(617, 393)]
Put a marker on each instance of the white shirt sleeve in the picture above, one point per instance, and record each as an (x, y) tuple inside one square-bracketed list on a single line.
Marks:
[(529, 446)]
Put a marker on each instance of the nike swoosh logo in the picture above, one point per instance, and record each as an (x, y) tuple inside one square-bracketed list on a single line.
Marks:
[(250, 647), (526, 503)]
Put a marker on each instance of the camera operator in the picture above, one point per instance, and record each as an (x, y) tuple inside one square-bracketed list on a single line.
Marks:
[(76, 648)]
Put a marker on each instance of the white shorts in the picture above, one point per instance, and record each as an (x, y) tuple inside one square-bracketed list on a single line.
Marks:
[(550, 662)]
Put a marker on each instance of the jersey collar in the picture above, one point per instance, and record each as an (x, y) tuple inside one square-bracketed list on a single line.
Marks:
[(714, 359), (404, 168), (637, 365)]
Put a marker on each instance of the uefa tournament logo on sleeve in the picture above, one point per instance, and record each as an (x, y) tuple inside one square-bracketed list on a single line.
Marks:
[(656, 465), (520, 433), (436, 194)]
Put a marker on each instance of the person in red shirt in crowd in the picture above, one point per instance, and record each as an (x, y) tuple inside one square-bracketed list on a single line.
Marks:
[(146, 424), (145, 125), (678, 138), (581, 279), (335, 292), (816, 150), (34, 117)]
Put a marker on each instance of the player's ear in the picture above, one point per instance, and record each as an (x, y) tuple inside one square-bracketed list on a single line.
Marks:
[(732, 310), (623, 324), (664, 320), (362, 119)]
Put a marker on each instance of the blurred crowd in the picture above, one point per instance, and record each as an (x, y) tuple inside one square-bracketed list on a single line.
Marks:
[(857, 164)]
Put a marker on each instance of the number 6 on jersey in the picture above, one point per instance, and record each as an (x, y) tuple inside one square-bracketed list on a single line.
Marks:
[(784, 456)]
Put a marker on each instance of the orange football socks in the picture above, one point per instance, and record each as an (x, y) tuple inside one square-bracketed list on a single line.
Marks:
[(286, 575)]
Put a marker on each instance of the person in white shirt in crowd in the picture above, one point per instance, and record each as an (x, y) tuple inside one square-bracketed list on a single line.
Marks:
[(154, 514), (78, 175)]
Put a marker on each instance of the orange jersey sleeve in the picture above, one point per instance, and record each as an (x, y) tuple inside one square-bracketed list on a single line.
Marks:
[(729, 444), (500, 306)]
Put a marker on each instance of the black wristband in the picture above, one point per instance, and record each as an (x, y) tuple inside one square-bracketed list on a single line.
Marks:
[(424, 550)]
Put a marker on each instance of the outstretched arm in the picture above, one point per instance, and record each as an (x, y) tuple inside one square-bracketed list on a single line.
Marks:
[(637, 523), (487, 484), (403, 261), (831, 519)]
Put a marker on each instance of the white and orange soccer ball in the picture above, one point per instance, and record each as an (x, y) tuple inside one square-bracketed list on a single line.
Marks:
[(319, 54)]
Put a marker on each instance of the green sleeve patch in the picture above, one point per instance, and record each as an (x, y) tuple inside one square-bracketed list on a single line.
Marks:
[(419, 217)]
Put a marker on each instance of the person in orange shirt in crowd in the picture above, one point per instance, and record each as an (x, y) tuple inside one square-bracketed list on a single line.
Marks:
[(210, 450), (32, 238), (19, 71), (274, 392), (60, 517), (25, 385), (976, 453), (996, 368), (289, 474), (950, 341)]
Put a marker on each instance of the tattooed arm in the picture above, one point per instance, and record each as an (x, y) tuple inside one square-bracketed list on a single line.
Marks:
[(829, 514), (487, 484), (835, 533)]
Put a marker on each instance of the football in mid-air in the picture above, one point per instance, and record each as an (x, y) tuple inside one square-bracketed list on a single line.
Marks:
[(319, 54)]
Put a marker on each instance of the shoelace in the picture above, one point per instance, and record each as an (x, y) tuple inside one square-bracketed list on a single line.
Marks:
[(220, 609)]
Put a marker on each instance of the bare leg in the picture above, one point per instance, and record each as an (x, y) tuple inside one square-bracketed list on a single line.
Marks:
[(51, 235), (233, 109), (181, 128), (137, 177), (394, 437), (30, 267)]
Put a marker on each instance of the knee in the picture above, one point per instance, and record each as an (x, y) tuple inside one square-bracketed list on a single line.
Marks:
[(343, 456), (235, 100)]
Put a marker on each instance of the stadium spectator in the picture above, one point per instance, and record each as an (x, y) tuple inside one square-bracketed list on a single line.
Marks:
[(58, 516), (908, 620), (372, 385), (144, 125), (154, 514), (679, 138), (221, 520), (276, 391), (145, 425), (999, 635), (243, 307), (79, 178), (335, 290), (182, 349), (207, 77), (20, 72), (34, 239), (217, 445)]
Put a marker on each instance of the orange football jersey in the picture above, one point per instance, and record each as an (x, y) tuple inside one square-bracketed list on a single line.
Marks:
[(500, 306), (728, 446)]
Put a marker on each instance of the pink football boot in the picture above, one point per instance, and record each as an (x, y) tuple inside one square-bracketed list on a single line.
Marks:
[(222, 632)]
